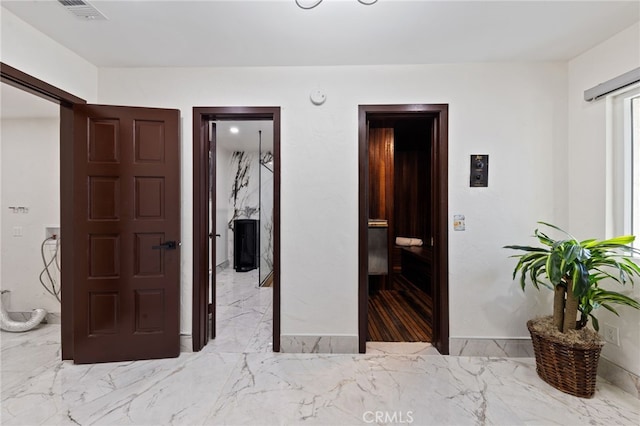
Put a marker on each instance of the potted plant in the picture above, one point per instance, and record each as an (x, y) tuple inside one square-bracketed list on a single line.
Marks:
[(566, 351)]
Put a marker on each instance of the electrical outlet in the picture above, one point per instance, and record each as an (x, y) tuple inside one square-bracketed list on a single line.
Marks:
[(611, 334), (52, 232)]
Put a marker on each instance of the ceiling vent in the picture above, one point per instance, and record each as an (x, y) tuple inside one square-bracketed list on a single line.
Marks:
[(83, 10)]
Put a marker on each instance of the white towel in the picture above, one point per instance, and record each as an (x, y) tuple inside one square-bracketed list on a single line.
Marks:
[(408, 242)]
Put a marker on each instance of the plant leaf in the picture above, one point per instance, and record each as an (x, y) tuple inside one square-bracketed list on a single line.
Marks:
[(553, 266), (596, 325)]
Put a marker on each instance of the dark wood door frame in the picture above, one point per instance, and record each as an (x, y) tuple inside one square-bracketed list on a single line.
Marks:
[(439, 113), (201, 224), (66, 100)]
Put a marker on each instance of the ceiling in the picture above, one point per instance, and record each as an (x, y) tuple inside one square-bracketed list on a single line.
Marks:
[(337, 32), (247, 139), (146, 33)]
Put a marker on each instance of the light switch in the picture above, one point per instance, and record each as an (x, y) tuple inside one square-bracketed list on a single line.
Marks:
[(458, 222), (479, 175)]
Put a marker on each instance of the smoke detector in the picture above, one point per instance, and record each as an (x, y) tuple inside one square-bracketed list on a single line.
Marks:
[(83, 10)]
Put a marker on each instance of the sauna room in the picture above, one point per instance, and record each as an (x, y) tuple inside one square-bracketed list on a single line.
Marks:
[(400, 230)]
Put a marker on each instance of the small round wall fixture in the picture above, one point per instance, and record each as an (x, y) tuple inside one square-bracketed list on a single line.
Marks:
[(310, 4), (318, 97)]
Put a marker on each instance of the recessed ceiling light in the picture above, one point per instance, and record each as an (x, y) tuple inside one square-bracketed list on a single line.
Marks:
[(234, 130)]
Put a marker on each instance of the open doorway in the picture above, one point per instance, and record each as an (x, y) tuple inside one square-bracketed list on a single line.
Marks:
[(30, 200), (244, 197), (403, 248), (237, 204), (65, 101), (400, 306), (156, 129), (241, 209)]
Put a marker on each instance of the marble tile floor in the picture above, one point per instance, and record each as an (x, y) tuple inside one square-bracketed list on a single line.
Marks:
[(244, 313), (237, 380)]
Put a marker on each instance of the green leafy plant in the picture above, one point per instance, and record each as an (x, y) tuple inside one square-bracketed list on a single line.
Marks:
[(573, 270)]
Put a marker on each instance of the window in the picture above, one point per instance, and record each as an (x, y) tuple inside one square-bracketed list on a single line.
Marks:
[(634, 142), (623, 193)]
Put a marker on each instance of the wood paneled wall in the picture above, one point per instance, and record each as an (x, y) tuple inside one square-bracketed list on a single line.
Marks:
[(399, 180), (411, 212), (381, 169)]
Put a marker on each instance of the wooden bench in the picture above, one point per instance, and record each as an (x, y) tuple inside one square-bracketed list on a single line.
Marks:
[(417, 266)]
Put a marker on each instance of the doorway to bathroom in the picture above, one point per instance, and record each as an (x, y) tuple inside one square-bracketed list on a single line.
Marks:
[(236, 227), (244, 198), (403, 248), (243, 237)]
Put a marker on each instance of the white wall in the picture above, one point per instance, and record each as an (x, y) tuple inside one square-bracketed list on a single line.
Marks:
[(516, 113), (1, 205), (588, 167), (32, 52), (30, 172)]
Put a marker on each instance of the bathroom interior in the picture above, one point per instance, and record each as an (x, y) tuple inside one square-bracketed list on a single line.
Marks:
[(400, 304), (244, 197), (243, 218)]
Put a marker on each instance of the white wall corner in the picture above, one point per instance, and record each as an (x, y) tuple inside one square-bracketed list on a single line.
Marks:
[(30, 51), (619, 376)]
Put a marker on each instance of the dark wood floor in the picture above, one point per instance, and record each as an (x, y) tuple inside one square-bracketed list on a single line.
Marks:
[(403, 314)]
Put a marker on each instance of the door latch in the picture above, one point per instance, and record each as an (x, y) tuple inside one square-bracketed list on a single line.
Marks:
[(169, 245)]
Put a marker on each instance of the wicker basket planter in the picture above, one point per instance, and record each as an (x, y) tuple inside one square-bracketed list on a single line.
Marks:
[(570, 368)]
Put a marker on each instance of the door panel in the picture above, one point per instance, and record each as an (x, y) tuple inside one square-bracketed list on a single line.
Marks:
[(212, 218), (126, 284)]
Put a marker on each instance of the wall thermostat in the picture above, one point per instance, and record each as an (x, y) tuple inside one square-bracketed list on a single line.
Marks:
[(318, 97), (479, 176)]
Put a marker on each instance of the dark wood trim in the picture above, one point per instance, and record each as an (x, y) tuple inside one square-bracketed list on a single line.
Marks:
[(67, 201), (28, 83), (439, 113), (276, 229), (210, 135), (201, 226), (441, 231), (200, 301), (363, 217)]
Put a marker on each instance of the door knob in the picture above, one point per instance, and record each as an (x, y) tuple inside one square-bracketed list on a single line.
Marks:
[(169, 245)]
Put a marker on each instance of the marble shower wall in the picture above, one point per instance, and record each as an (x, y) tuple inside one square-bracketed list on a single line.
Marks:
[(244, 191), (244, 201), (266, 215)]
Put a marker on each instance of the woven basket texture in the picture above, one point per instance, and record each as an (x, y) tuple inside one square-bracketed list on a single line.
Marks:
[(570, 368)]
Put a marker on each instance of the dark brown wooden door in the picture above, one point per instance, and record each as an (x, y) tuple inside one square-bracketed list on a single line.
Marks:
[(213, 235), (126, 289)]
